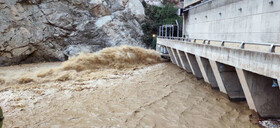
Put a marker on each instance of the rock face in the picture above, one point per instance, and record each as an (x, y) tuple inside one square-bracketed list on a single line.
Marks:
[(154, 2), (177, 3), (49, 30)]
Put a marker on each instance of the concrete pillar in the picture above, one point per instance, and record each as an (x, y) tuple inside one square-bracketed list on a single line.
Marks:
[(209, 72), (188, 59), (184, 61), (194, 65), (231, 82), (171, 55), (260, 94), (217, 75), (245, 88), (203, 72), (176, 57)]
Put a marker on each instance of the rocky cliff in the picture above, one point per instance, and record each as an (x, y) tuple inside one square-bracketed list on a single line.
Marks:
[(49, 30), (159, 3)]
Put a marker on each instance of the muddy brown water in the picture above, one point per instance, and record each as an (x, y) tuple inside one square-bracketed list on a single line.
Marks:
[(160, 95), (150, 94)]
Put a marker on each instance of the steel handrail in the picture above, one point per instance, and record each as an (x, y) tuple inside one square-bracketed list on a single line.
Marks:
[(272, 46)]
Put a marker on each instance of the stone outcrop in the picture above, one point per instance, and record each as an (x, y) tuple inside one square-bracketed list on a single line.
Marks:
[(159, 3), (52, 30)]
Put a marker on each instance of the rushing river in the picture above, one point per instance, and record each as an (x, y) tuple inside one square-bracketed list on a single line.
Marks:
[(107, 93)]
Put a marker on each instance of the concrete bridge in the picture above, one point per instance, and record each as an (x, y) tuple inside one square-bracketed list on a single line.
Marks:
[(234, 46), (241, 74)]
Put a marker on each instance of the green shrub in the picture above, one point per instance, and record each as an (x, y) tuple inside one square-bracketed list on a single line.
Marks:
[(155, 17)]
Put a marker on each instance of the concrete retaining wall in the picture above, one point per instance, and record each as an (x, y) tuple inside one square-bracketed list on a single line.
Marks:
[(237, 20)]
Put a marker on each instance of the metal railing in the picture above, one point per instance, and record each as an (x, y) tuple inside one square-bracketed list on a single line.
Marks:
[(169, 29), (242, 44), (197, 5)]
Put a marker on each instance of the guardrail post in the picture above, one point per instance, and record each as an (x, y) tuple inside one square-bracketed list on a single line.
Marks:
[(272, 48), (203, 42), (242, 45), (223, 43)]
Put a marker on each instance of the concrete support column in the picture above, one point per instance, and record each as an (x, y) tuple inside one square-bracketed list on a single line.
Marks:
[(203, 72), (194, 65), (209, 72), (171, 55), (176, 57), (184, 61), (217, 75), (260, 94), (188, 59), (245, 88), (231, 82)]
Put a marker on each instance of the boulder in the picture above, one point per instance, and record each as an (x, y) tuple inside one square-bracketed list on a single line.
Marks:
[(159, 3), (73, 50)]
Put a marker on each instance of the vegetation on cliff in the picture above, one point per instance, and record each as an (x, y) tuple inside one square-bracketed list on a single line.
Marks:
[(155, 17)]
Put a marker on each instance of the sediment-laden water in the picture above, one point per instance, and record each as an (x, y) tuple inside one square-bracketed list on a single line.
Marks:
[(116, 87)]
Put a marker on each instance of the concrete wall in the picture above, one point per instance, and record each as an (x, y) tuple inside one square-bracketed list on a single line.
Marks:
[(241, 74), (237, 20)]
